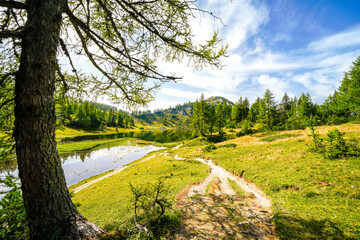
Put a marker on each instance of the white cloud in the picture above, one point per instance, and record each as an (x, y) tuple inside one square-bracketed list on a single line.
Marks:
[(186, 95), (349, 38)]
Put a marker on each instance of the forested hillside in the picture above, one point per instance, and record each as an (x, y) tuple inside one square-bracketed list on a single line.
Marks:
[(91, 116)]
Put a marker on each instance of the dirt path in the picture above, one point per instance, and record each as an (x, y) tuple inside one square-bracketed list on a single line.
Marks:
[(223, 213)]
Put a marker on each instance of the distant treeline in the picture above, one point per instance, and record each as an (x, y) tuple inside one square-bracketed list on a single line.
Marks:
[(90, 115), (290, 113)]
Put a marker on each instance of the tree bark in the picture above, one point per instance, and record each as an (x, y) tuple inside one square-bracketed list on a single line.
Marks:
[(50, 211)]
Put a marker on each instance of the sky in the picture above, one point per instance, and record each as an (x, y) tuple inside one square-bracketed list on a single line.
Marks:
[(292, 46)]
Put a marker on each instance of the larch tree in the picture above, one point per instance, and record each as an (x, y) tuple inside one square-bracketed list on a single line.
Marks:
[(349, 90), (267, 109), (122, 39)]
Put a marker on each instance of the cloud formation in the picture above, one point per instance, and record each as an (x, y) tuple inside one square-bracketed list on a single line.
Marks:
[(260, 58)]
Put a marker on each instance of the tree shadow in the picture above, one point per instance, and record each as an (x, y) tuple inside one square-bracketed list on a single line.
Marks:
[(289, 227)]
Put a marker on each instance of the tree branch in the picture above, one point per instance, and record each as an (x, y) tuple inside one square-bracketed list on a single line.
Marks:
[(7, 102), (13, 4), (61, 75), (18, 33)]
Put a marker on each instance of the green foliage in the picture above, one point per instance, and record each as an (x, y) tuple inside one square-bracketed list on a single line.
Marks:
[(6, 147), (344, 104), (338, 147), (220, 137), (91, 116), (229, 145), (318, 142), (245, 129), (153, 214), (200, 116), (209, 147), (267, 110), (334, 145), (13, 224)]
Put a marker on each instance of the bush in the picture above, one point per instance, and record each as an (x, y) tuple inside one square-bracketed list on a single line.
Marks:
[(216, 138), (154, 216), (13, 224), (245, 128), (230, 145), (334, 145), (209, 147)]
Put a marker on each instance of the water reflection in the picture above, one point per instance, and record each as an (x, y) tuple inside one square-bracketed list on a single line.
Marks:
[(155, 136), (82, 165), (86, 165)]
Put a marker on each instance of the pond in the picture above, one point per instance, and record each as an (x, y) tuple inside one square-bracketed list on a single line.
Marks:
[(82, 165)]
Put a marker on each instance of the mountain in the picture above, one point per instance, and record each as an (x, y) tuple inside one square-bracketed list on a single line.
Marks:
[(218, 100), (178, 116)]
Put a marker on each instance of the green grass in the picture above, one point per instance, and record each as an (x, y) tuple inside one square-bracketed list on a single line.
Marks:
[(63, 131), (107, 202), (72, 187), (313, 198), (236, 188), (89, 145)]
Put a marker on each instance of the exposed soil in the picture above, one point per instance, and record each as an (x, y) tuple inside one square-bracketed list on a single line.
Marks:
[(213, 210)]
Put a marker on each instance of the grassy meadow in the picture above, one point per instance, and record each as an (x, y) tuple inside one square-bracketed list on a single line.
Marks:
[(63, 131), (64, 148), (313, 197), (107, 202)]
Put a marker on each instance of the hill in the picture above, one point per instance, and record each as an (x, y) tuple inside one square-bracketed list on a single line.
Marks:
[(178, 116)]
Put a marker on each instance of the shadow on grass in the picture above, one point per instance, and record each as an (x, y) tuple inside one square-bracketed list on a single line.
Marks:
[(288, 227), (162, 229)]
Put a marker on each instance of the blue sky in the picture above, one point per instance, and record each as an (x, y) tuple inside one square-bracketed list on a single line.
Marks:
[(291, 46)]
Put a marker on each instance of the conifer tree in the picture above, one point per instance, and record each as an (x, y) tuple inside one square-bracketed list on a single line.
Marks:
[(123, 40), (220, 117), (267, 110)]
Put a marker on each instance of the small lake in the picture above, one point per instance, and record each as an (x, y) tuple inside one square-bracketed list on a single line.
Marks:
[(82, 165), (78, 167)]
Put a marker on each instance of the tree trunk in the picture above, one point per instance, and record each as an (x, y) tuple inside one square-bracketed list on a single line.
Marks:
[(50, 211)]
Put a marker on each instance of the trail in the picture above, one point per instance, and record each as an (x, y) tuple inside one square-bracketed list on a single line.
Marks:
[(223, 213)]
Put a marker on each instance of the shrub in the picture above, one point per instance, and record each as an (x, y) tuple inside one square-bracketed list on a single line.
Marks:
[(216, 138), (13, 224), (334, 145), (245, 128), (154, 216), (209, 147), (230, 145)]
